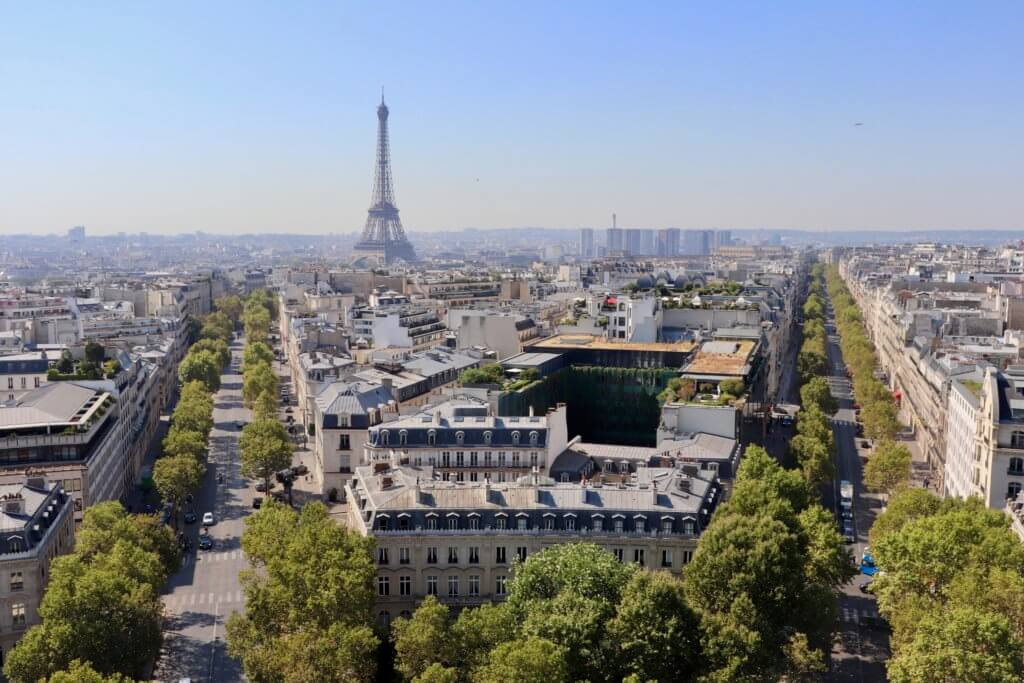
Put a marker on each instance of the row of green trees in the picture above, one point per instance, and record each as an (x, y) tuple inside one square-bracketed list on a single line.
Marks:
[(888, 468), (179, 472), (952, 587), (264, 445), (101, 613), (812, 448), (757, 602)]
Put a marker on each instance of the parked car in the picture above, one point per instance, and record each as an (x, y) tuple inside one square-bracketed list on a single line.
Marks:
[(240, 424), (865, 444), (865, 587), (300, 469), (208, 519), (205, 542), (190, 517), (257, 503), (261, 486)]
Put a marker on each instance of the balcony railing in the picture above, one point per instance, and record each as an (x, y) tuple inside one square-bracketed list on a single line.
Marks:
[(490, 531)]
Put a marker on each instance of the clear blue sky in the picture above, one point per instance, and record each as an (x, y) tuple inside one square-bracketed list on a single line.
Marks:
[(252, 117)]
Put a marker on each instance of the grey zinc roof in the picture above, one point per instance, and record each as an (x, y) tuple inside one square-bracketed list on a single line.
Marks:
[(32, 497), (654, 490), (352, 398), (54, 403)]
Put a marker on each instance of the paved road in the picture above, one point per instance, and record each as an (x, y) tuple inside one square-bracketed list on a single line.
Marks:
[(200, 597), (862, 649)]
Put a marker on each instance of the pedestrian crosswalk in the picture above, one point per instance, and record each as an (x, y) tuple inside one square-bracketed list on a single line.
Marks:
[(850, 615), (183, 600), (220, 557)]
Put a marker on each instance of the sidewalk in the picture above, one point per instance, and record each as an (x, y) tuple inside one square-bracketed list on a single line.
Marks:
[(136, 499), (921, 473)]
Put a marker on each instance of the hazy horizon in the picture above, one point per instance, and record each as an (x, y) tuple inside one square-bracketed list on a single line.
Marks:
[(242, 118)]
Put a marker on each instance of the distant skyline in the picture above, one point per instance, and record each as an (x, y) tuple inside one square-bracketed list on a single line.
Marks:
[(255, 117)]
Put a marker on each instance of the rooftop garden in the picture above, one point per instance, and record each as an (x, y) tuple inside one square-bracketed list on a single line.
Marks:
[(972, 385), (680, 390), (93, 366)]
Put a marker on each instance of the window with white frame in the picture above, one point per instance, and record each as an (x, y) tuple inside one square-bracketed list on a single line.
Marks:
[(453, 586), (431, 585), (404, 585)]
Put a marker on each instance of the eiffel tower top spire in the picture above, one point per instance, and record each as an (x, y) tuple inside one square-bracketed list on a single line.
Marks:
[(383, 237)]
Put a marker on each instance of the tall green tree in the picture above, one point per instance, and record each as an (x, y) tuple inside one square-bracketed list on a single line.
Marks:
[(181, 442), (529, 660), (265, 449), (888, 468), (217, 347), (94, 353), (963, 644), (201, 366), (265, 406), (818, 393), (258, 379), (176, 477), (230, 305), (82, 672), (309, 599), (423, 639), (217, 326), (256, 352), (657, 633)]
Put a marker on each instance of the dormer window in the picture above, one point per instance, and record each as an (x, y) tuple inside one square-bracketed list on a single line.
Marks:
[(487, 438), (432, 437), (460, 438), (385, 437), (515, 438), (533, 438), (403, 438)]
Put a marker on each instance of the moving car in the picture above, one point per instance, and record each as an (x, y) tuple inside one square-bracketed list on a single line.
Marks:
[(205, 542), (848, 534), (190, 517), (208, 519), (300, 469), (867, 564)]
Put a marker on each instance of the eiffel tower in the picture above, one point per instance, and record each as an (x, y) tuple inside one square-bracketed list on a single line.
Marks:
[(383, 239)]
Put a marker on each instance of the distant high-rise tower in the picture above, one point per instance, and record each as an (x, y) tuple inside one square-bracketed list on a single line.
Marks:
[(614, 239), (76, 234), (586, 249), (668, 242), (383, 237)]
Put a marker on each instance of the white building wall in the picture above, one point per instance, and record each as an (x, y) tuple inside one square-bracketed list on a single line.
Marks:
[(962, 432)]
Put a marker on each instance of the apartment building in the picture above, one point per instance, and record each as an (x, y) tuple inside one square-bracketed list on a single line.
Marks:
[(21, 373), (68, 432), (985, 448), (458, 540), (343, 412), (462, 440), (413, 327), (36, 525)]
